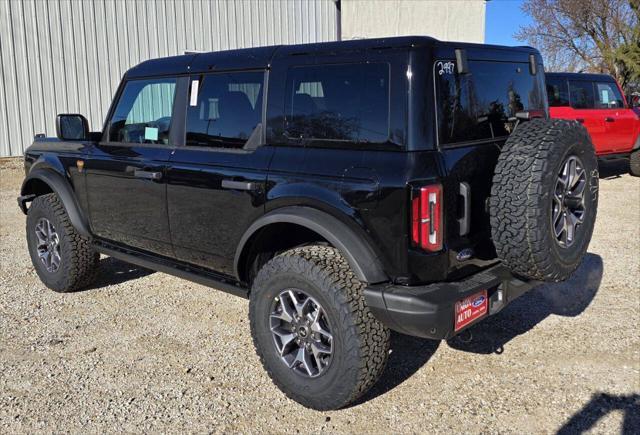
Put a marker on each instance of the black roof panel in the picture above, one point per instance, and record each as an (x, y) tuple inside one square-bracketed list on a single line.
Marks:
[(246, 58), (356, 45), (163, 66), (261, 57)]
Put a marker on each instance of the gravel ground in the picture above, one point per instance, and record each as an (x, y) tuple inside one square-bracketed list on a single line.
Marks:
[(144, 351)]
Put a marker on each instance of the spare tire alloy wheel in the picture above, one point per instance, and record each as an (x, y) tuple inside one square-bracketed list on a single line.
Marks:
[(301, 333), (568, 202)]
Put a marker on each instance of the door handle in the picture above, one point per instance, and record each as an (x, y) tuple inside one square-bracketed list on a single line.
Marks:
[(147, 175), (240, 185), (580, 120), (609, 119)]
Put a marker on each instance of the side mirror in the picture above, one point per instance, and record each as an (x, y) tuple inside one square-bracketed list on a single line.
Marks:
[(72, 127), (634, 101)]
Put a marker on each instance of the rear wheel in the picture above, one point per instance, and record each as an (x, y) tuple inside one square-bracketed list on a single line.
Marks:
[(544, 199), (314, 334), (634, 163), (64, 260)]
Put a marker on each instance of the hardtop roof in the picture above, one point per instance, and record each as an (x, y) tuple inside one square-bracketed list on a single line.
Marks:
[(261, 57)]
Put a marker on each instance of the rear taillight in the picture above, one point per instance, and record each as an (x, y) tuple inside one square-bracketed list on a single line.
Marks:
[(426, 217)]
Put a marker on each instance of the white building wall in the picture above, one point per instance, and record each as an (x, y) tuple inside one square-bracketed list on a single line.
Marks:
[(448, 20), (67, 56)]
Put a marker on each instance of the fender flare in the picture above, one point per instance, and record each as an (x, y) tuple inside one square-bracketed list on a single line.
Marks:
[(62, 188), (361, 257)]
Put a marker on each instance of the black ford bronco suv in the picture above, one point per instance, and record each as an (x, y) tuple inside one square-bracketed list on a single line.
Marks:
[(344, 188)]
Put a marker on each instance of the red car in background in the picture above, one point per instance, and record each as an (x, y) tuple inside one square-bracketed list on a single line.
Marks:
[(597, 101)]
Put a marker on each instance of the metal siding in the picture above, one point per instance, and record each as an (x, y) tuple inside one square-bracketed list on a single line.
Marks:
[(4, 80), (63, 56)]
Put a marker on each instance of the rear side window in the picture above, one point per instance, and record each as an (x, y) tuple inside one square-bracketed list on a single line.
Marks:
[(338, 103), (608, 96), (480, 105), (143, 113), (557, 92), (581, 94), (225, 109)]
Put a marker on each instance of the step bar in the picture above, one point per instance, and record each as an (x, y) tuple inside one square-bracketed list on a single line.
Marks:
[(181, 270)]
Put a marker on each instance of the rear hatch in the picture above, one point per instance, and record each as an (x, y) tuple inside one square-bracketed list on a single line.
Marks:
[(475, 113)]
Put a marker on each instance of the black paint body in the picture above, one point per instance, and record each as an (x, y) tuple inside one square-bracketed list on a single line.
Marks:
[(191, 215)]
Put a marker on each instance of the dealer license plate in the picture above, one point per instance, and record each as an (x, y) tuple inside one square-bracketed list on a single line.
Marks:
[(470, 309)]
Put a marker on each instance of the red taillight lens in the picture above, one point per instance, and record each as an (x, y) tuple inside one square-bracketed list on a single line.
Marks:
[(426, 218)]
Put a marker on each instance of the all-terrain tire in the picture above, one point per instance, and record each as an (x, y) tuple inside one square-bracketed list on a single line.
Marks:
[(78, 260), (360, 342), (522, 197), (634, 163)]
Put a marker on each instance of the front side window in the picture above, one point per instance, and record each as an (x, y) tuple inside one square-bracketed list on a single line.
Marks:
[(482, 104), (608, 96), (143, 113), (226, 110), (557, 91), (338, 103), (581, 95)]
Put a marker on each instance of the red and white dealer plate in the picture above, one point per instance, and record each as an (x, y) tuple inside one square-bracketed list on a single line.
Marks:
[(470, 309)]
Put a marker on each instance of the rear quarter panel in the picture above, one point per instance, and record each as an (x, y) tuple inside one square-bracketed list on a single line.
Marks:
[(349, 185)]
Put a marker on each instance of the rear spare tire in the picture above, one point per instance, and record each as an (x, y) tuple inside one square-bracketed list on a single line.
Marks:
[(544, 199)]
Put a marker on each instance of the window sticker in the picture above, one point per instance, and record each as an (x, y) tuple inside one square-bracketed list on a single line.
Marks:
[(150, 133), (605, 96), (194, 93)]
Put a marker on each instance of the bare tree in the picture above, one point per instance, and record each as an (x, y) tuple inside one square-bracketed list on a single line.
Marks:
[(587, 35)]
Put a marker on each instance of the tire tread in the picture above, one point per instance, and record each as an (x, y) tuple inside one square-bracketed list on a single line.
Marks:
[(518, 196), (79, 260), (367, 340)]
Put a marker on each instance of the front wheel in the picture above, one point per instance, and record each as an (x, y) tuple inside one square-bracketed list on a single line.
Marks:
[(312, 330), (63, 259)]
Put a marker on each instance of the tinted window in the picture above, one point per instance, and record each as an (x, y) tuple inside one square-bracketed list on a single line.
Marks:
[(608, 96), (143, 113), (482, 104), (338, 102), (557, 92), (227, 109), (581, 95)]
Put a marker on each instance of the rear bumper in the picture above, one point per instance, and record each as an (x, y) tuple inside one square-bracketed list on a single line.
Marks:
[(428, 311)]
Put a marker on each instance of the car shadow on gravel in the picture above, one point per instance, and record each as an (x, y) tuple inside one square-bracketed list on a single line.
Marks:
[(568, 298), (601, 405), (408, 355), (613, 169), (112, 271)]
